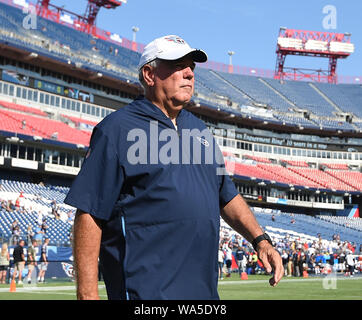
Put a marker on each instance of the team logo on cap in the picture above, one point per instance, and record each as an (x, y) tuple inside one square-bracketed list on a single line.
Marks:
[(175, 39)]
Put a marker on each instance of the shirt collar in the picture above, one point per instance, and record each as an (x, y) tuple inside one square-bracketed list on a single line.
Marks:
[(148, 108)]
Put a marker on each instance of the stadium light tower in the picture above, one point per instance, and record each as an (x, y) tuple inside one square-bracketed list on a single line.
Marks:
[(231, 53), (94, 6), (86, 22), (135, 30), (329, 45), (134, 44)]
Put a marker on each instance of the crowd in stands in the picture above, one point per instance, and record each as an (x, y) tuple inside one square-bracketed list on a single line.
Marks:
[(313, 255), (301, 258), (43, 210)]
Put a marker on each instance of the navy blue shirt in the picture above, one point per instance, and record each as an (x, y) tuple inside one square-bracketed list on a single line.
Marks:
[(158, 200), (239, 254)]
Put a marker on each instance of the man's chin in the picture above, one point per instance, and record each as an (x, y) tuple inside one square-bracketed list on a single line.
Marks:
[(179, 103)]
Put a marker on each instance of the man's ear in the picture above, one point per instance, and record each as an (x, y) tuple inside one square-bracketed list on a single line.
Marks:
[(148, 75)]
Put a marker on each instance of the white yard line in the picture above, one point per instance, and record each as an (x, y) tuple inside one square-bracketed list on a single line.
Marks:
[(45, 288), (38, 289)]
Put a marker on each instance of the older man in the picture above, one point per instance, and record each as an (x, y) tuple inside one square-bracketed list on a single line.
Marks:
[(150, 193)]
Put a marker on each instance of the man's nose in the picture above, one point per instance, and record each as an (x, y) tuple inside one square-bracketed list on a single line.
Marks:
[(188, 73)]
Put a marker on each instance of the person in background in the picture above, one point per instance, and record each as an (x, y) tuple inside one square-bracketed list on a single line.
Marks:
[(19, 261), (290, 266), (30, 234), (229, 259), (221, 258), (4, 262), (43, 261), (285, 259), (44, 225), (31, 259), (39, 234), (240, 255), (350, 263), (14, 232)]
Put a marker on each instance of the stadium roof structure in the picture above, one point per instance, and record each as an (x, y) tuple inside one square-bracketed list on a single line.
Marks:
[(329, 45)]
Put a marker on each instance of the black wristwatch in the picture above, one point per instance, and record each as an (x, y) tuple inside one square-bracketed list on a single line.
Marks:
[(262, 237)]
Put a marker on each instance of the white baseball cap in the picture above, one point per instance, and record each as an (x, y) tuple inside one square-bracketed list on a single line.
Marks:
[(169, 47)]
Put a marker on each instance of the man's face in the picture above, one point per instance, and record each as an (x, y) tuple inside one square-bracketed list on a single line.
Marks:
[(174, 81)]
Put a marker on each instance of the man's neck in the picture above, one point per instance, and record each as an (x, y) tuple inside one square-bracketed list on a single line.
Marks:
[(169, 113)]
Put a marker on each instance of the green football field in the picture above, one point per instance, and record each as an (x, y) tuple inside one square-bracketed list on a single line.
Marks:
[(255, 288)]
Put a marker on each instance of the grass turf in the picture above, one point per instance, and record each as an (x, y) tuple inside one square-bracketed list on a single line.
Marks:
[(312, 288), (255, 288)]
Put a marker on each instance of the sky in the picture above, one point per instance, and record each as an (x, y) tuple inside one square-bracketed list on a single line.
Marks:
[(249, 28)]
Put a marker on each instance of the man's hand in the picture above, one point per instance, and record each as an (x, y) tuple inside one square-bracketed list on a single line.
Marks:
[(238, 215), (272, 261)]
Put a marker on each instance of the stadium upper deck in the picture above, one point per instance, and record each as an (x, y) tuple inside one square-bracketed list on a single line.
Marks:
[(56, 83), (310, 105)]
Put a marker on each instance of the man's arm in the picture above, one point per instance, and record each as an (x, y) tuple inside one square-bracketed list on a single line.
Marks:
[(239, 216), (86, 245), (44, 257)]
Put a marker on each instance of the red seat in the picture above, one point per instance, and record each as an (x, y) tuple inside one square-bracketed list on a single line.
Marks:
[(18, 107), (43, 127)]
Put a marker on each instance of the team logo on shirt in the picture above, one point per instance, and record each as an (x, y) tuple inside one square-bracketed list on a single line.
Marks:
[(203, 141)]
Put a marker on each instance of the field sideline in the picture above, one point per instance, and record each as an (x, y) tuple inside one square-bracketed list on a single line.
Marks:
[(255, 288)]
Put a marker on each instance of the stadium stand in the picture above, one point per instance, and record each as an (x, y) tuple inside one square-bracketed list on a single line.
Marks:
[(66, 44), (296, 105), (258, 159), (257, 91), (43, 127), (295, 163), (302, 95), (24, 109), (322, 178), (338, 166), (271, 173), (334, 124), (295, 120), (297, 173), (346, 222), (219, 89), (352, 178), (306, 226), (35, 205), (81, 123), (347, 97)]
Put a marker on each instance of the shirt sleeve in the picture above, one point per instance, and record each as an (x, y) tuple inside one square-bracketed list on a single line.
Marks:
[(97, 187), (227, 189)]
